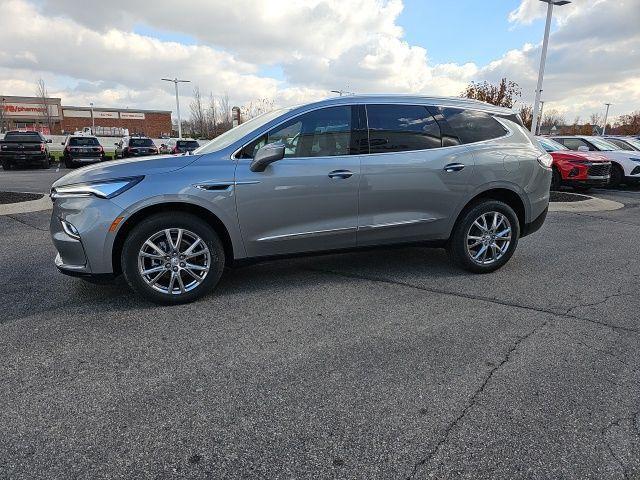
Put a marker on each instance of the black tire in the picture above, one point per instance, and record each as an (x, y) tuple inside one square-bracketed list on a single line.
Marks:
[(6, 166), (457, 245), (157, 223), (68, 163), (556, 179), (617, 176), (46, 163)]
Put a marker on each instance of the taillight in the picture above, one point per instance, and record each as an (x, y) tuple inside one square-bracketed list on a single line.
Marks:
[(42, 148), (545, 160), (175, 150)]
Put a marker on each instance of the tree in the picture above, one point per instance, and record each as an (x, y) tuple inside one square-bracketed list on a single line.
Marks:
[(596, 119), (552, 118), (256, 107), (503, 95), (43, 95), (224, 109), (526, 114), (198, 120), (628, 124)]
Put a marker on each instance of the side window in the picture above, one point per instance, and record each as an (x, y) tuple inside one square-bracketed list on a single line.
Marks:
[(400, 128), (574, 143), (472, 125), (320, 133)]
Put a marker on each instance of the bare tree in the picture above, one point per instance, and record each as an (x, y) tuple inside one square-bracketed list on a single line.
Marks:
[(526, 114), (212, 115), (552, 118), (198, 116), (596, 119), (504, 94), (256, 107), (43, 95), (224, 109)]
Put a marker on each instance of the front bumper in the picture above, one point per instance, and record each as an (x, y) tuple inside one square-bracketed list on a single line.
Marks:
[(91, 253)]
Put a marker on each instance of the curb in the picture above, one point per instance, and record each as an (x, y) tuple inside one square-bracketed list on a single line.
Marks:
[(43, 203), (592, 205)]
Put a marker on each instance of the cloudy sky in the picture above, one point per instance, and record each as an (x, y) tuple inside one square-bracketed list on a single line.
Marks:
[(114, 53)]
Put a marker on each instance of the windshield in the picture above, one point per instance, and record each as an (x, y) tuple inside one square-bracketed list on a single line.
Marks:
[(83, 142), (236, 133), (140, 142), (551, 145), (602, 145)]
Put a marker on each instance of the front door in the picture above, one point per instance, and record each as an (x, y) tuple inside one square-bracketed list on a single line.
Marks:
[(411, 184), (308, 201)]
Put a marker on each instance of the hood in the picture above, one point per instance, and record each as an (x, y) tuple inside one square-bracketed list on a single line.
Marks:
[(573, 155), (129, 167)]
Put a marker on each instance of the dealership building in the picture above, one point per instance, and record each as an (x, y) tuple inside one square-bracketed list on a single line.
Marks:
[(49, 116)]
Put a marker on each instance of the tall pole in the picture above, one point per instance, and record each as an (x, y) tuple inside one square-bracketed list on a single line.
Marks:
[(175, 82), (93, 120), (606, 114), (543, 59), (540, 121)]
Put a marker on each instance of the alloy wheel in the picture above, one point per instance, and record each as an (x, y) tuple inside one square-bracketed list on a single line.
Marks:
[(174, 261), (488, 238)]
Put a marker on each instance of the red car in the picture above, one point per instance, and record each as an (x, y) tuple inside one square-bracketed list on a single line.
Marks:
[(580, 170)]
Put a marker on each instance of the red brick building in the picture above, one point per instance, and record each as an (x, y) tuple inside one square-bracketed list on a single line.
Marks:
[(29, 113)]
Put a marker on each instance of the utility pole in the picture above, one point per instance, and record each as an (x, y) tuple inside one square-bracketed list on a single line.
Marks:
[(175, 82), (606, 114), (540, 121), (93, 120), (543, 59)]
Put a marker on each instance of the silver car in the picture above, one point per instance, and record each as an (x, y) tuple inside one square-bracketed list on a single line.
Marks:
[(342, 173)]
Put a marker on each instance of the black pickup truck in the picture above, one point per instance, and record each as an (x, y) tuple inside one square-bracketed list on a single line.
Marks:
[(24, 148)]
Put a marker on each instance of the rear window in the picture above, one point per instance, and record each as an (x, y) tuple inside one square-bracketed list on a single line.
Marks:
[(24, 137), (140, 142), (399, 128), (84, 142), (472, 125), (187, 144)]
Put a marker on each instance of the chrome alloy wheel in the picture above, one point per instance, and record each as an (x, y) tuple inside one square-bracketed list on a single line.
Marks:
[(488, 238), (174, 261)]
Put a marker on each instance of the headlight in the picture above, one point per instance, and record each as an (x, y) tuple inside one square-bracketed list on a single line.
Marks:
[(102, 188), (545, 160)]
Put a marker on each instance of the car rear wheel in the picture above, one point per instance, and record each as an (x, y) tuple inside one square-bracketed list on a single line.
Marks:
[(485, 237), (617, 175), (68, 163), (172, 258), (6, 166)]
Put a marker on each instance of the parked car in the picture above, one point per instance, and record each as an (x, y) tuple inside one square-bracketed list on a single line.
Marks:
[(342, 173), (625, 165), (81, 150), (624, 143), (136, 147), (24, 148), (182, 146), (580, 170)]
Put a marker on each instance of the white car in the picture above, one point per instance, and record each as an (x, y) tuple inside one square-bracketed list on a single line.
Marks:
[(625, 164)]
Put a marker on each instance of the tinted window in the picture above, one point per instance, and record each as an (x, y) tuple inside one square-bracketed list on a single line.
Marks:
[(473, 126), (24, 137), (619, 143), (398, 128), (320, 133), (574, 143), (83, 142), (140, 142)]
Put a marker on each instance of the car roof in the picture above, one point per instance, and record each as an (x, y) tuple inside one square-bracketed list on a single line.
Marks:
[(458, 102)]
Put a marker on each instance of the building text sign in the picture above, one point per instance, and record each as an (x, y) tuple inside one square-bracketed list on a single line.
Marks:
[(30, 110)]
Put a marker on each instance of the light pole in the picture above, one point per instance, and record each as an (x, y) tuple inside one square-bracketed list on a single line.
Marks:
[(93, 120), (543, 58), (606, 114), (175, 82), (540, 121)]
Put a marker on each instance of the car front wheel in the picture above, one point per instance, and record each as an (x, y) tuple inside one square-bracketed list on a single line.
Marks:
[(485, 237), (172, 258)]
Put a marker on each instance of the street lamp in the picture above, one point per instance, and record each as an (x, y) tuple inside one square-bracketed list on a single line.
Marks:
[(175, 82), (543, 58), (93, 120), (540, 121), (606, 114)]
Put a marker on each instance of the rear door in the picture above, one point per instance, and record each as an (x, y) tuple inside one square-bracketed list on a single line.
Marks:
[(413, 178), (307, 201)]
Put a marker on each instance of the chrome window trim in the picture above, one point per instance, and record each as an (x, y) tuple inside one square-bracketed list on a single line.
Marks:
[(493, 114)]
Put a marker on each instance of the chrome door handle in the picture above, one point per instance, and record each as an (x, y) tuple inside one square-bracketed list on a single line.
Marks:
[(340, 174), (453, 167)]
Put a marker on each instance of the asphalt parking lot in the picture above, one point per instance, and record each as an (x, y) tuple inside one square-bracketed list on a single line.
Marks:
[(377, 364)]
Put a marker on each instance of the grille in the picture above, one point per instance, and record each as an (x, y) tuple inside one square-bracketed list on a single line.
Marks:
[(599, 170)]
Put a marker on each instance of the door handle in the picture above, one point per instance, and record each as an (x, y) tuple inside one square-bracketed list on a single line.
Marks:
[(453, 167), (340, 174)]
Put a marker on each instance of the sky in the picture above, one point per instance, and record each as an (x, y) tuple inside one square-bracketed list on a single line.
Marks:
[(294, 51)]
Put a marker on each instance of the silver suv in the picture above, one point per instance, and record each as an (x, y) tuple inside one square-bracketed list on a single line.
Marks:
[(342, 173)]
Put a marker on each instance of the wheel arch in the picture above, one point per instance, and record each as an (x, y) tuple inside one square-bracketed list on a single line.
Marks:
[(502, 194), (176, 206)]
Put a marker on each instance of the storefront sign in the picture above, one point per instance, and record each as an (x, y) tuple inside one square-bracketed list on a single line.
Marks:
[(30, 110), (132, 115)]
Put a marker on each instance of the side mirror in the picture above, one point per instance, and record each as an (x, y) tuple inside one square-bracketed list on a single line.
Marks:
[(267, 155), (49, 140), (583, 148)]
